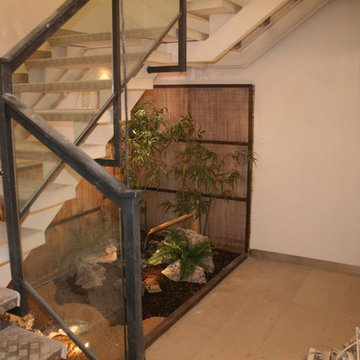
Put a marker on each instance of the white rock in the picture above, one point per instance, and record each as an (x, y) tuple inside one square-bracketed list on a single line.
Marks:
[(172, 272)]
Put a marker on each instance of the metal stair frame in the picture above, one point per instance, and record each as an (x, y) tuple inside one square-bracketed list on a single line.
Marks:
[(12, 109), (182, 46), (127, 200)]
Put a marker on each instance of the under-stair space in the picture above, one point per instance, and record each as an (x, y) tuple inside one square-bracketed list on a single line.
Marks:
[(227, 35), (66, 85), (69, 79)]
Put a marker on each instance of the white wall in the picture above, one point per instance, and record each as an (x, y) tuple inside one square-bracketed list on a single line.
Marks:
[(306, 198), (18, 17)]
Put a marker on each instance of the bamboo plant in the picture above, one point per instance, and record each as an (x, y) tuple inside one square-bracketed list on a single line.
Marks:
[(146, 142), (200, 172)]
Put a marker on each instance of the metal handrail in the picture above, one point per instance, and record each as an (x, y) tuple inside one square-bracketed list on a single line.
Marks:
[(65, 149), (126, 199)]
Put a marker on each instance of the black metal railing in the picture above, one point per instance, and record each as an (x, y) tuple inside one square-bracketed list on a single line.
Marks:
[(12, 109), (127, 200), (17, 55)]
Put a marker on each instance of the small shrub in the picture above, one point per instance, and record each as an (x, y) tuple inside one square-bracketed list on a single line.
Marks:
[(176, 246)]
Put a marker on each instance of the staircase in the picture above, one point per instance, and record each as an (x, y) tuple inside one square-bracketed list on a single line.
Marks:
[(68, 80), (20, 344)]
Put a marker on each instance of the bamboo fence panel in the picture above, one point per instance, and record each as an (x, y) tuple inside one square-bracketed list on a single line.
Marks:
[(224, 112)]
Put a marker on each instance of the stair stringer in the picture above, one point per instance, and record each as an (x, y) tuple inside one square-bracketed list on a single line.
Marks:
[(248, 34), (247, 20)]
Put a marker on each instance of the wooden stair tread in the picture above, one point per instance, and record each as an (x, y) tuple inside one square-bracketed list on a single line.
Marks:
[(150, 33), (9, 299), (80, 38), (82, 85), (40, 54), (61, 86), (102, 60), (74, 115), (27, 187), (20, 78), (205, 8), (73, 62), (32, 150), (22, 164), (30, 238), (191, 35)]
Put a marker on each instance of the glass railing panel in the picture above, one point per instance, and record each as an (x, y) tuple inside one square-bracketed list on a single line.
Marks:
[(72, 256), (69, 78), (145, 23), (33, 163)]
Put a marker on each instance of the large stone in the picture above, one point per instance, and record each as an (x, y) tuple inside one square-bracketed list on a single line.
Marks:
[(109, 256), (90, 275), (172, 272), (193, 238)]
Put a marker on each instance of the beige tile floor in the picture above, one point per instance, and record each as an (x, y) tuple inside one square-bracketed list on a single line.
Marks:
[(266, 311)]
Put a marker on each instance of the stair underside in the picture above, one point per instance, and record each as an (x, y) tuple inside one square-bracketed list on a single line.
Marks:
[(278, 26), (206, 8), (76, 115)]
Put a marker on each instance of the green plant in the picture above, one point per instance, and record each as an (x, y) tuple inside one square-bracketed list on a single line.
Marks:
[(200, 172), (146, 142), (176, 246)]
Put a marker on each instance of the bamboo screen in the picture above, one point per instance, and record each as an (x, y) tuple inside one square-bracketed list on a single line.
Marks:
[(225, 113)]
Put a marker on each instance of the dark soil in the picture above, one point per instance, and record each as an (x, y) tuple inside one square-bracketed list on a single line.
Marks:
[(162, 304), (175, 293)]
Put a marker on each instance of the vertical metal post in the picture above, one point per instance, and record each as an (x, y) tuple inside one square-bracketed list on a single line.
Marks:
[(116, 81), (9, 188), (182, 38), (249, 168), (132, 255)]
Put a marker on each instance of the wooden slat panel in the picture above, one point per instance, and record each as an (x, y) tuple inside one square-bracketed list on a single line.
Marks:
[(223, 112), (226, 225)]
